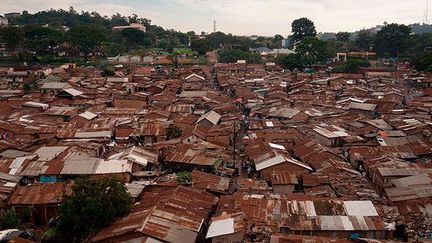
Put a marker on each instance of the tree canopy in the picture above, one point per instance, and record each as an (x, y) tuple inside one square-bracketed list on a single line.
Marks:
[(312, 50), (231, 56), (92, 205), (86, 38), (343, 36), (392, 40), (302, 28)]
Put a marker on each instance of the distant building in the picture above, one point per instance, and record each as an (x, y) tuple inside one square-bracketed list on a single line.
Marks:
[(12, 15), (3, 21), (286, 43), (131, 26)]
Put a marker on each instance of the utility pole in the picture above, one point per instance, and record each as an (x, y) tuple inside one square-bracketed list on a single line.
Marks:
[(234, 144)]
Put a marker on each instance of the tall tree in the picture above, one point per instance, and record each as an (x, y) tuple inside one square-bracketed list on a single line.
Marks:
[(291, 61), (364, 40), (202, 46), (302, 28), (93, 205), (42, 40), (343, 36), (312, 50), (86, 38), (133, 37), (392, 40), (12, 37)]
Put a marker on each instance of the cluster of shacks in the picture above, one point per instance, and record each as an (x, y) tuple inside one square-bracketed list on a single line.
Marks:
[(273, 155)]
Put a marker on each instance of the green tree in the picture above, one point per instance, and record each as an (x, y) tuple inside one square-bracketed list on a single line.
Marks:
[(9, 219), (184, 177), (12, 37), (392, 40), (364, 40), (42, 40), (92, 205), (133, 37), (422, 62), (277, 41), (202, 46), (343, 36), (173, 132), (302, 28), (86, 38), (312, 50), (231, 56), (352, 66), (291, 61)]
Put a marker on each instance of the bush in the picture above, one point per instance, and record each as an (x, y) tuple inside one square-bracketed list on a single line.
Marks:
[(50, 233), (173, 132), (93, 205), (291, 62), (9, 219), (231, 56), (351, 66), (184, 177), (107, 72)]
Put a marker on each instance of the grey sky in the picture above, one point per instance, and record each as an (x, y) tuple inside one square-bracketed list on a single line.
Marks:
[(245, 17)]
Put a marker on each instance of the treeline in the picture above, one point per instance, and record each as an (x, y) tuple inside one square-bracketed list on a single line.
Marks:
[(393, 41), (48, 33), (54, 31)]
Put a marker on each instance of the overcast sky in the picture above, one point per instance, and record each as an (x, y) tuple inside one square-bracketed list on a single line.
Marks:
[(244, 17)]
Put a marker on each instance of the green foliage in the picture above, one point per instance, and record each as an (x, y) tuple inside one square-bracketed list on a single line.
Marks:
[(302, 28), (107, 72), (42, 40), (231, 56), (364, 40), (422, 62), (312, 50), (343, 36), (291, 61), (86, 38), (12, 37), (50, 233), (184, 177), (418, 43), (392, 40), (218, 39), (93, 205), (173, 132), (202, 46), (27, 87), (9, 219), (351, 66)]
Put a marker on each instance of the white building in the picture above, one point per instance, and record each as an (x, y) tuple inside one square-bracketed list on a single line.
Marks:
[(131, 26), (3, 21)]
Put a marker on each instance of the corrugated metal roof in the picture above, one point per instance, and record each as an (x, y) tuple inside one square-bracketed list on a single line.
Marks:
[(220, 227), (40, 193), (269, 162), (113, 166), (211, 116), (49, 153), (79, 165), (98, 134), (360, 208), (88, 115)]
